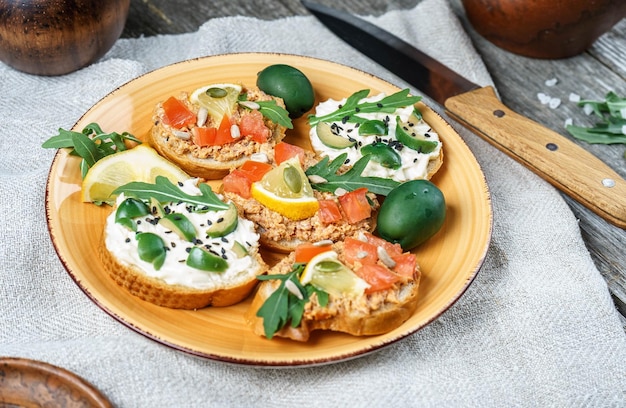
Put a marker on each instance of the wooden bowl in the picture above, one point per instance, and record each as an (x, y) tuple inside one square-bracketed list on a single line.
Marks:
[(55, 37), (544, 28)]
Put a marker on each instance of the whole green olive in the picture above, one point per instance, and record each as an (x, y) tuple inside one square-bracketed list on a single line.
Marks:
[(411, 213), (290, 84)]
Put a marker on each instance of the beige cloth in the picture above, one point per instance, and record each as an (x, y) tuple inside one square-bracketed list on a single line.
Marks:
[(536, 328)]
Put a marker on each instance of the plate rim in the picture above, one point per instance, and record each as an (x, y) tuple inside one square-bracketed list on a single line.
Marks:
[(259, 363)]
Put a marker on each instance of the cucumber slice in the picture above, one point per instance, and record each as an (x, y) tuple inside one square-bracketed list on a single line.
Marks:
[(240, 250), (156, 208), (413, 141), (226, 224), (179, 224), (328, 138)]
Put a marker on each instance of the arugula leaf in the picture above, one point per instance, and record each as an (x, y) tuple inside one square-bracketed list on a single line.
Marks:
[(164, 190), (283, 307), (350, 180), (91, 144), (275, 113), (611, 128), (347, 112)]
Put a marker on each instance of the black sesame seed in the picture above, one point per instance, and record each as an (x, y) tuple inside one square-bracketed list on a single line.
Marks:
[(180, 184), (173, 244), (127, 240), (197, 241), (224, 239), (188, 250), (379, 105), (221, 219)]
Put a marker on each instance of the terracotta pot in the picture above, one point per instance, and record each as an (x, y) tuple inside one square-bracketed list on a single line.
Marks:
[(55, 37), (544, 28)]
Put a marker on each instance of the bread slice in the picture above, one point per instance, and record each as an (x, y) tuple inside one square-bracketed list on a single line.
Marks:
[(181, 255), (370, 314), (280, 234), (211, 162), (332, 138), (156, 291)]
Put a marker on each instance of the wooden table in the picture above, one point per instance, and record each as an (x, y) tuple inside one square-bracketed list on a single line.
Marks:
[(518, 80)]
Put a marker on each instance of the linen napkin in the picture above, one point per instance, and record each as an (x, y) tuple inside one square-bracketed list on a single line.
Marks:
[(536, 328)]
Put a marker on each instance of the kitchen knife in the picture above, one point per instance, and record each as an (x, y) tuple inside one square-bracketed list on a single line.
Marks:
[(563, 163)]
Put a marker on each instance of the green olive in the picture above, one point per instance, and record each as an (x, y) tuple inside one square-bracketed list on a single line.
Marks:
[(290, 84), (411, 213)]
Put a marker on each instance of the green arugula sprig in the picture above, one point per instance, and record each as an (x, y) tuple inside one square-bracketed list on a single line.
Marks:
[(611, 126), (347, 112), (91, 144), (269, 109), (164, 191), (350, 180), (284, 306)]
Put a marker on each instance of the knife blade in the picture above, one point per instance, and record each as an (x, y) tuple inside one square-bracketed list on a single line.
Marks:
[(564, 164)]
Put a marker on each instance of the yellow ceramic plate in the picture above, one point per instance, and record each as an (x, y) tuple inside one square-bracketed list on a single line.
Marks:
[(449, 261)]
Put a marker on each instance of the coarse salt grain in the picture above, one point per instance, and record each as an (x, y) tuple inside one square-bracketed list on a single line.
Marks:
[(568, 122), (551, 82), (588, 109), (554, 103), (574, 97), (623, 112), (543, 98), (624, 129)]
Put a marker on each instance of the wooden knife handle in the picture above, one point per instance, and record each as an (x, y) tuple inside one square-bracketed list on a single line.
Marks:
[(563, 163)]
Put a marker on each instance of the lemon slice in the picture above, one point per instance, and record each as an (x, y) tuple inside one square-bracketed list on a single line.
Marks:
[(141, 163), (218, 99), (326, 272), (286, 190)]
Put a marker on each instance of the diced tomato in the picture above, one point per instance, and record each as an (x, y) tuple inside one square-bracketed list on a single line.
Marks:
[(223, 135), (355, 205), (237, 182), (240, 180), (176, 114), (405, 264), (202, 136), (252, 125), (306, 252), (355, 250), (392, 249), (285, 151), (329, 212), (255, 170), (378, 277)]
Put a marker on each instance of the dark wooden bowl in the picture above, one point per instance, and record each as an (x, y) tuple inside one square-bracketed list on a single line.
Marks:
[(55, 37), (544, 28)]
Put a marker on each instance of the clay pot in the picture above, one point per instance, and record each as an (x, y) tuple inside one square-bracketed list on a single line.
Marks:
[(55, 37), (544, 28)]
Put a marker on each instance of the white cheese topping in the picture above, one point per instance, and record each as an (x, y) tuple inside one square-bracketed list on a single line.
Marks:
[(121, 242), (414, 164)]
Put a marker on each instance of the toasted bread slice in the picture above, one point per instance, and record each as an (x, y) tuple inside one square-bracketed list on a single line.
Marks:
[(157, 291), (368, 314), (211, 162), (279, 233)]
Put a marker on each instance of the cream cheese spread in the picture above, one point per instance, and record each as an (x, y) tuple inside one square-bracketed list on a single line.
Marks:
[(414, 164), (121, 242)]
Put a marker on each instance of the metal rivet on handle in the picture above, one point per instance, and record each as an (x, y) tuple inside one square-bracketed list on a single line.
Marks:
[(552, 147), (498, 113), (607, 182)]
